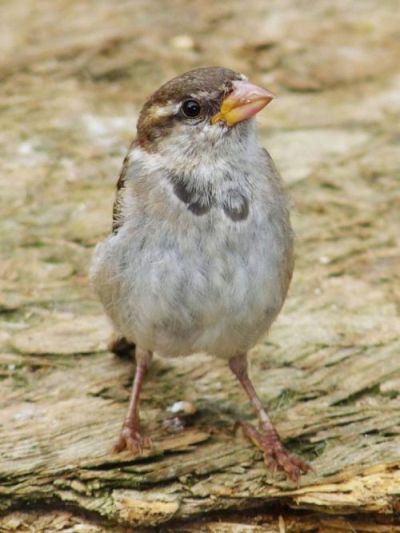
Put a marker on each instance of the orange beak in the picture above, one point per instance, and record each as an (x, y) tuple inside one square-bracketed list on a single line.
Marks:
[(242, 103)]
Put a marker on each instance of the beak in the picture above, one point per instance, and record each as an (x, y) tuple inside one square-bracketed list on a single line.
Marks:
[(242, 103)]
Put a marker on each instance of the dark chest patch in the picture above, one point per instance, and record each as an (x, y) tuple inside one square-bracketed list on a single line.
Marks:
[(236, 206), (198, 202)]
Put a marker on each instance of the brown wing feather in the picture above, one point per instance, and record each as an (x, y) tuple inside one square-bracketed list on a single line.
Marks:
[(120, 187)]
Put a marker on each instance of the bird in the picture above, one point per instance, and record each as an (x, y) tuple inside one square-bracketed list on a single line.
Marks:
[(200, 256)]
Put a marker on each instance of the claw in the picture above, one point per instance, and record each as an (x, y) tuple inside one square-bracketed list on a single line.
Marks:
[(275, 455)]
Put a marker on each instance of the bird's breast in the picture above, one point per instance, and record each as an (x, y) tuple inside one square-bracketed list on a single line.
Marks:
[(199, 282)]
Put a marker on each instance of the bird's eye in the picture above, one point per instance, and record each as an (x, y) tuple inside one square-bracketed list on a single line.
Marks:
[(191, 108)]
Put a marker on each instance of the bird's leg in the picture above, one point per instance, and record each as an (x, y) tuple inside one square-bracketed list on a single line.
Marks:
[(131, 437), (267, 439)]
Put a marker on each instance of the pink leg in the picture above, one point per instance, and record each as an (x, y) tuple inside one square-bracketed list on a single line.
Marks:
[(267, 439), (131, 437)]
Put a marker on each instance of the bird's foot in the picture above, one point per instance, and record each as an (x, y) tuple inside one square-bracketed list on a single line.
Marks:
[(275, 454), (131, 439)]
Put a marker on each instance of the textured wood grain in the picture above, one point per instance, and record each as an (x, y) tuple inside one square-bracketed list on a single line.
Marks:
[(330, 370)]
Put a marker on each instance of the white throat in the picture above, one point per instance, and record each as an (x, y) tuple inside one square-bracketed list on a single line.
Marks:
[(212, 155)]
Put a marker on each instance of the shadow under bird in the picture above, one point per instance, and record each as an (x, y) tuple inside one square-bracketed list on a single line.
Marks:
[(201, 251)]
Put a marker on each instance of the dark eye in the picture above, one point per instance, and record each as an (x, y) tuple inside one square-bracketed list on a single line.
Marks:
[(191, 108)]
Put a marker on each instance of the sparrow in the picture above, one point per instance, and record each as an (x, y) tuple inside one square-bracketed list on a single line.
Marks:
[(200, 256)]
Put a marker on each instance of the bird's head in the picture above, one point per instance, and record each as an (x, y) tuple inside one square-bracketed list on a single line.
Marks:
[(204, 110)]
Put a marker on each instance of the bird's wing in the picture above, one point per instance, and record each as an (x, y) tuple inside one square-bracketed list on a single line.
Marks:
[(119, 193)]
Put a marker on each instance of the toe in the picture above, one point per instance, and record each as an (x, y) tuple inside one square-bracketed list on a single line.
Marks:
[(134, 445), (270, 462), (302, 465), (291, 464), (147, 443), (275, 455), (120, 445), (132, 440)]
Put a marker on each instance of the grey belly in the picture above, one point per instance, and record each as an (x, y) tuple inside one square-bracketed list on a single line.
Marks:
[(208, 296)]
